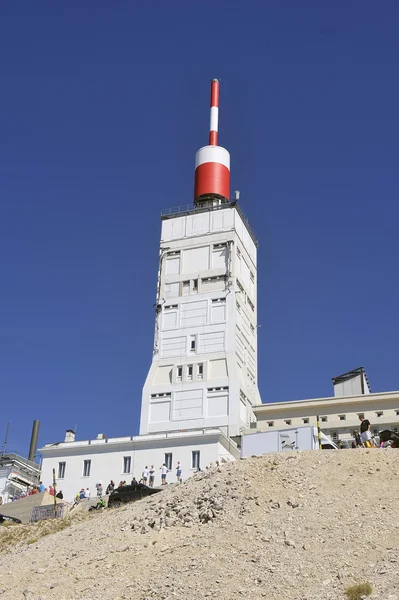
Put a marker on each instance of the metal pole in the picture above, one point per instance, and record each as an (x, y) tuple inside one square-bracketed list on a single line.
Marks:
[(318, 431), (6, 439), (55, 491)]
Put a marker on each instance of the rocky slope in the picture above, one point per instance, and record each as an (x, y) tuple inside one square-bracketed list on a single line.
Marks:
[(288, 526)]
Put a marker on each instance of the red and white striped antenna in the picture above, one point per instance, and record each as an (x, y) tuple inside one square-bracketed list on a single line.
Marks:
[(212, 163), (214, 120)]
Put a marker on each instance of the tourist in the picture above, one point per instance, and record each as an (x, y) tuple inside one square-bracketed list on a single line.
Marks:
[(178, 472), (365, 433), (356, 435), (110, 487), (51, 490), (82, 494), (152, 476), (87, 494), (99, 488), (60, 495), (41, 487), (145, 475), (164, 470)]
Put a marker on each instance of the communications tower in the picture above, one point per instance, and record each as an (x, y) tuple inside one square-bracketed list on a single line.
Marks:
[(204, 367)]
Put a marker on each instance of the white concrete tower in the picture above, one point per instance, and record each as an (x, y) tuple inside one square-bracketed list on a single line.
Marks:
[(204, 367)]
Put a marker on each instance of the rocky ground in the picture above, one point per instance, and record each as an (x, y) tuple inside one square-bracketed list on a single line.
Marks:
[(290, 526)]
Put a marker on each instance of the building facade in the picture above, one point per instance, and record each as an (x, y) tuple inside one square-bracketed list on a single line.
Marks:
[(204, 367), (339, 415), (17, 474)]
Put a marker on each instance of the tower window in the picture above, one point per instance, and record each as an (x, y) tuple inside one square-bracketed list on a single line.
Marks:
[(179, 374), (189, 372), (195, 285), (192, 343), (306, 420), (342, 417), (270, 423), (379, 413), (200, 373)]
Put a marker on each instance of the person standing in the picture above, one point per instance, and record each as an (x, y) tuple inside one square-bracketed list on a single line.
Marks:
[(358, 441), (41, 487), (164, 472), (111, 487), (365, 433), (178, 472), (145, 475), (152, 476), (99, 488)]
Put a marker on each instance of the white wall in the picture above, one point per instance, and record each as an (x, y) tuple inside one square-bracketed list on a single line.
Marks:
[(202, 281), (107, 461)]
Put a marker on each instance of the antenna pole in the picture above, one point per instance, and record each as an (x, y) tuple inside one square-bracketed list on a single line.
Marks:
[(214, 119), (6, 439)]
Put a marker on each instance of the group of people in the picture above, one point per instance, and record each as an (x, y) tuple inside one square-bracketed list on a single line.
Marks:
[(147, 478), (38, 489)]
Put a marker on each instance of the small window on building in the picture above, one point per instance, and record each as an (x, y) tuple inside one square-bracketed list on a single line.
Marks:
[(397, 413), (375, 431), (168, 460), (251, 304), (170, 307), (86, 468), (179, 373), (334, 435), (195, 459), (342, 417), (195, 285), (185, 288), (189, 372), (324, 419), (270, 423), (200, 373), (127, 461), (240, 286), (379, 413), (61, 470), (252, 276), (252, 328), (306, 420), (288, 421), (192, 343)]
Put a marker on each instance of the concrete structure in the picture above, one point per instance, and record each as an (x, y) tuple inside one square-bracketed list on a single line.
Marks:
[(81, 464), (17, 474), (22, 508), (339, 415), (295, 438)]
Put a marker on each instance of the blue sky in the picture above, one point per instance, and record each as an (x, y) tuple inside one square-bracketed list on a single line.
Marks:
[(102, 108)]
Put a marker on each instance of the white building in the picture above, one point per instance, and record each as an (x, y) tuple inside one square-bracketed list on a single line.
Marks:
[(202, 383), (17, 474), (339, 415)]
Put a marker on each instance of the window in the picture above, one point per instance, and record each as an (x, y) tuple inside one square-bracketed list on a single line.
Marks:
[(334, 435), (251, 304), (86, 468), (189, 372), (195, 459), (288, 421), (397, 413), (192, 343), (252, 276), (171, 307), (61, 470), (200, 373), (379, 413), (305, 421), (126, 464), (240, 286), (195, 285), (270, 423), (342, 417), (185, 288), (375, 431), (324, 419), (179, 374), (168, 460)]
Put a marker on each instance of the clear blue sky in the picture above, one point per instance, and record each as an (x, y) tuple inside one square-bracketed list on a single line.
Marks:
[(102, 108)]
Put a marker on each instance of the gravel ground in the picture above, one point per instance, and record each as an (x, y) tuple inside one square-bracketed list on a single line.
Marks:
[(296, 525)]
